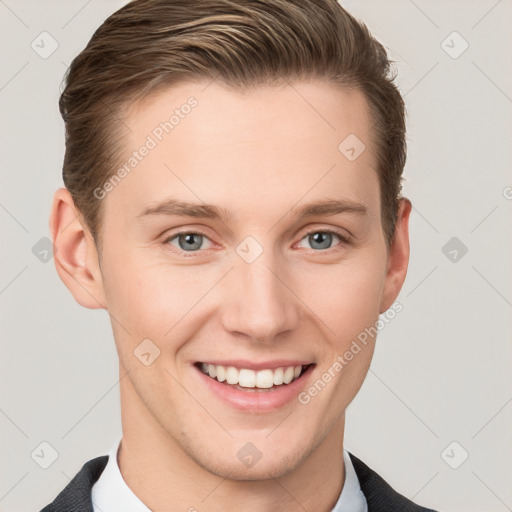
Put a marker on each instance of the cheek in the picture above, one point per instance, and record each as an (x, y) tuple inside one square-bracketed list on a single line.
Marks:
[(348, 313), (154, 300), (345, 297)]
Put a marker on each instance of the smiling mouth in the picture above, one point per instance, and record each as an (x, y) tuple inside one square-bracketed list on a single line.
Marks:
[(246, 379)]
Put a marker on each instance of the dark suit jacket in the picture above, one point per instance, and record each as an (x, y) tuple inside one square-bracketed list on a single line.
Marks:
[(380, 496)]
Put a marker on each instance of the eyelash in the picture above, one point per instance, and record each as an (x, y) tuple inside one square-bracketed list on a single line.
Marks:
[(344, 240)]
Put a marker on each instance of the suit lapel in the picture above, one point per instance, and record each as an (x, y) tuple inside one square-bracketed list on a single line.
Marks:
[(76, 496), (380, 496)]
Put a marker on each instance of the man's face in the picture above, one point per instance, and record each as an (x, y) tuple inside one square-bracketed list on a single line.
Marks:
[(262, 289)]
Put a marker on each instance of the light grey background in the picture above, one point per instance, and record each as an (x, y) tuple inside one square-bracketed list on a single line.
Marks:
[(442, 368)]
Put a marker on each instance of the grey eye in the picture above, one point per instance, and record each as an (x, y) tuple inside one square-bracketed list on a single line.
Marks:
[(189, 241), (321, 239)]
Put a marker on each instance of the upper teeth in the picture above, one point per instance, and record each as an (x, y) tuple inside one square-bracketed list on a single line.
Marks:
[(250, 378)]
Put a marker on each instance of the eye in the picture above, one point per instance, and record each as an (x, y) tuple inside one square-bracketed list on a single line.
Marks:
[(192, 241), (323, 238), (188, 241)]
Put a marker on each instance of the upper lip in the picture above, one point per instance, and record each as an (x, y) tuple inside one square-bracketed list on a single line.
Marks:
[(263, 365)]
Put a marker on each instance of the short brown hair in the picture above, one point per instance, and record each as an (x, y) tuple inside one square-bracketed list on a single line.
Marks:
[(151, 44)]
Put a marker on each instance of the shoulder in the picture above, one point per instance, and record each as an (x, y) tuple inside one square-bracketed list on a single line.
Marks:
[(76, 496), (380, 496)]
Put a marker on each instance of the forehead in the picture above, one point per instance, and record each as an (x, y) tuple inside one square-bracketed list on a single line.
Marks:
[(267, 147)]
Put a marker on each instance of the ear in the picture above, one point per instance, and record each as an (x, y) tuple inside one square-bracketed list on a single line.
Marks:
[(76, 257), (398, 257)]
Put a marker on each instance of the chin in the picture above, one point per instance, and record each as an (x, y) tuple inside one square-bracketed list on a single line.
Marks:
[(248, 463), (261, 470)]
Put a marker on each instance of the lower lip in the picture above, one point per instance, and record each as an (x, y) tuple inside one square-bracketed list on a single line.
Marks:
[(257, 401)]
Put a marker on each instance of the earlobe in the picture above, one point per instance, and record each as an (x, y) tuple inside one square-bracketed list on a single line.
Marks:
[(398, 257), (76, 258)]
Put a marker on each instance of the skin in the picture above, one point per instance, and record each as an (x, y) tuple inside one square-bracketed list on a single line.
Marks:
[(259, 155)]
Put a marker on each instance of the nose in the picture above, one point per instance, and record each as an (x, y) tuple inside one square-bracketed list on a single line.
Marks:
[(259, 302)]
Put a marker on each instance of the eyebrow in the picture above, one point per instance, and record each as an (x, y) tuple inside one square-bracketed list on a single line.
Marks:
[(210, 211)]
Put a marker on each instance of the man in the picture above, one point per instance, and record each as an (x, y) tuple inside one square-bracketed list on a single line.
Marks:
[(233, 200)]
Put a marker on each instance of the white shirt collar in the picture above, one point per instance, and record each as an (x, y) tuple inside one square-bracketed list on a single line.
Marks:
[(110, 493)]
